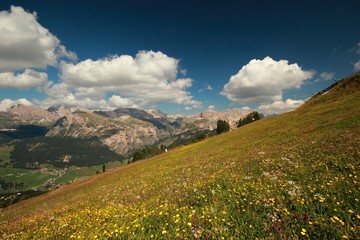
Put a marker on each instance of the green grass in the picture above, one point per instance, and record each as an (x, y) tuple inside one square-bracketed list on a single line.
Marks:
[(76, 173), (12, 172), (30, 178), (36, 178), (5, 153), (293, 176)]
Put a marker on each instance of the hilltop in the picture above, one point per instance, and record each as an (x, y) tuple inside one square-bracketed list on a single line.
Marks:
[(287, 177)]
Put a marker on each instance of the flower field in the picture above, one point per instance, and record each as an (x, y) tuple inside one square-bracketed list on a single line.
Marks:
[(294, 176)]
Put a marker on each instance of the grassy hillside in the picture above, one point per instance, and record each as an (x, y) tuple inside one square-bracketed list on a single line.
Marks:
[(294, 176)]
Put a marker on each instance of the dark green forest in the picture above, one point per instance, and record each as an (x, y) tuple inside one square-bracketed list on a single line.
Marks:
[(61, 152), (22, 132)]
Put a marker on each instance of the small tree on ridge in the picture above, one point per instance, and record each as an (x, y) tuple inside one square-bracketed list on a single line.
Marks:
[(222, 126)]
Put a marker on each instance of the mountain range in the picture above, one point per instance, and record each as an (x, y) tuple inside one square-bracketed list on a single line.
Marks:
[(122, 130)]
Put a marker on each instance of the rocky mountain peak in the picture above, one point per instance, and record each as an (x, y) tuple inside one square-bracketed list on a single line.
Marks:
[(209, 119), (123, 130), (60, 110), (31, 114), (157, 113)]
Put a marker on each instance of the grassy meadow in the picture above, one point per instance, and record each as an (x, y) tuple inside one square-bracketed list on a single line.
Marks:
[(35, 178), (293, 176), (5, 155)]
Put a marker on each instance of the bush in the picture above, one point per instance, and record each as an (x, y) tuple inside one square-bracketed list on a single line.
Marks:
[(147, 152), (222, 126), (251, 117)]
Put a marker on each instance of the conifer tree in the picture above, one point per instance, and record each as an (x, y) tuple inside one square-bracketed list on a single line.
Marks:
[(222, 126)]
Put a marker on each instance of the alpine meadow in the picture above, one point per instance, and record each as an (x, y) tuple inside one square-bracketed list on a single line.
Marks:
[(292, 176)]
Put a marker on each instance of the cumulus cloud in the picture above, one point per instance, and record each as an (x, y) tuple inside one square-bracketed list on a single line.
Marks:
[(211, 108), (24, 43), (71, 101), (183, 72), (280, 106), (7, 103), (357, 66), (207, 88), (358, 48), (61, 94), (28, 79), (146, 68), (327, 75), (148, 79), (264, 80), (119, 102)]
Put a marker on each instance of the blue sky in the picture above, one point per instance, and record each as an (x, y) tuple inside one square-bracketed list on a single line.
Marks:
[(177, 56)]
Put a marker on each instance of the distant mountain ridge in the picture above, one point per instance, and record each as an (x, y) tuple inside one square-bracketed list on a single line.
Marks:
[(122, 130), (231, 116), (159, 120)]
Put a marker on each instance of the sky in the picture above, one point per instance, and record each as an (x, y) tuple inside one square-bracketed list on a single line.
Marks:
[(176, 56)]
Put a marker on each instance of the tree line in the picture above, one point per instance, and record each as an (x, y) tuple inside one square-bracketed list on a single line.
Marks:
[(223, 126)]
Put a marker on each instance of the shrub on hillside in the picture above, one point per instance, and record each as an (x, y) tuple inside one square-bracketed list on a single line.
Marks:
[(251, 117), (222, 126)]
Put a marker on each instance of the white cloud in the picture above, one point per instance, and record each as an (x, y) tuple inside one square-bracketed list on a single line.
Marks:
[(264, 80), (71, 101), (7, 103), (119, 102), (211, 108), (24, 43), (183, 72), (148, 79), (279, 106), (28, 79), (62, 94), (207, 88), (147, 68), (357, 66), (327, 75)]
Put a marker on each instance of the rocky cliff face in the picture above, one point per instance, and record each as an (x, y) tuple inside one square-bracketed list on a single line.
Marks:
[(121, 134), (23, 114), (122, 130)]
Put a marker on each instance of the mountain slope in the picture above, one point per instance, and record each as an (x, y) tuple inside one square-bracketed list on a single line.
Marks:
[(123, 130), (121, 134), (288, 177)]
